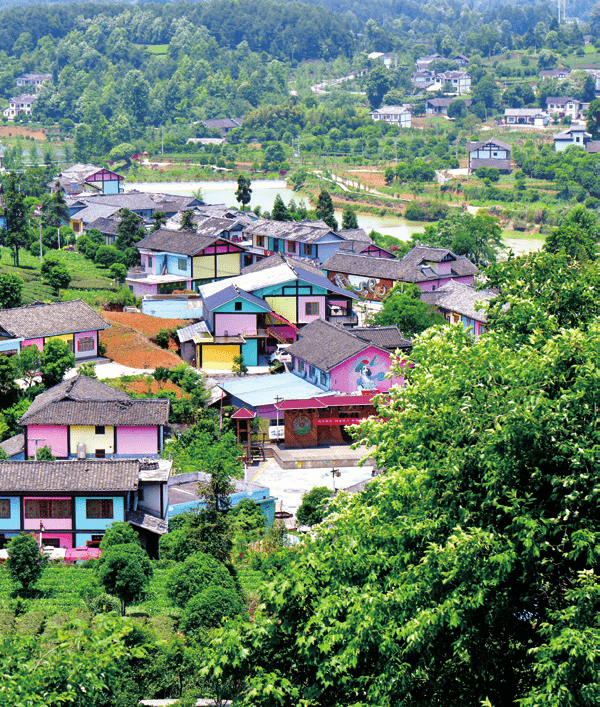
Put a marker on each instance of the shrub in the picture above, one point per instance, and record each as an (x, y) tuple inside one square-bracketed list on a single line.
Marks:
[(211, 608), (119, 533), (25, 562), (196, 573), (106, 255), (312, 509)]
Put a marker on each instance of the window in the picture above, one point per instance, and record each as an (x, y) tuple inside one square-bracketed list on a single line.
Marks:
[(182, 263), (140, 493), (86, 344), (47, 508), (100, 429), (4, 508), (311, 309), (291, 246), (260, 241), (100, 453), (99, 508), (150, 262), (311, 372), (238, 306), (308, 250)]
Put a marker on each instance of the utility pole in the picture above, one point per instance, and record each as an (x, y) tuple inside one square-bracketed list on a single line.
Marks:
[(38, 212), (334, 472)]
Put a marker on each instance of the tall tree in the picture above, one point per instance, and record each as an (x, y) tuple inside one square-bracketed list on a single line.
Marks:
[(11, 290), (55, 211), (130, 230), (325, 210), (25, 563), (16, 232), (280, 211), (349, 220), (55, 360), (577, 235), (243, 192)]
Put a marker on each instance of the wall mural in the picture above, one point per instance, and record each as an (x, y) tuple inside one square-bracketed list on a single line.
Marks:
[(368, 378), (368, 287), (301, 425)]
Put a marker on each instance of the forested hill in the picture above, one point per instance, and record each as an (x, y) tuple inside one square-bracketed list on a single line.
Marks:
[(282, 29)]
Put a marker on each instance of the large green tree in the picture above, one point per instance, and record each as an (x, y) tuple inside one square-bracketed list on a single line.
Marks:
[(466, 574), (577, 235), (243, 192), (403, 308), (325, 211), (125, 571), (25, 563), (55, 360), (16, 231), (11, 289)]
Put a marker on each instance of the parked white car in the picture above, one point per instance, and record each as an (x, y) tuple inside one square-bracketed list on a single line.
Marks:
[(280, 354)]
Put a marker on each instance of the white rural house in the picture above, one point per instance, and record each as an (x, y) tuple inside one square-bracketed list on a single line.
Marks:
[(394, 115), (20, 104)]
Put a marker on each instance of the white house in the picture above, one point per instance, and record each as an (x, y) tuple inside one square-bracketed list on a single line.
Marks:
[(459, 80), (20, 104), (527, 116), (394, 115), (493, 153), (563, 106), (33, 80)]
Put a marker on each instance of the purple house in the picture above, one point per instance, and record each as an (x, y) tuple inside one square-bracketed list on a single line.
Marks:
[(431, 268), (34, 325), (462, 304), (83, 418)]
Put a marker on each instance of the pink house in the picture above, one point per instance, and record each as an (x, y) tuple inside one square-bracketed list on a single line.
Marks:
[(84, 418), (340, 360), (431, 268), (462, 304)]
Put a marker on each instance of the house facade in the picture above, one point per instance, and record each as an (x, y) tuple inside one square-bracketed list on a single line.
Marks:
[(84, 418), (88, 177), (439, 105), (459, 80), (462, 304), (34, 325), (393, 115), (575, 135), (526, 116), (183, 260), (563, 106), (70, 504), (492, 153), (33, 80), (20, 104)]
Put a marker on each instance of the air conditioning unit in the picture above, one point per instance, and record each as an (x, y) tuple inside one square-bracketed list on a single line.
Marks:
[(80, 450)]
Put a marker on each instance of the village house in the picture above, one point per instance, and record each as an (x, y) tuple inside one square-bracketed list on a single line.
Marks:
[(576, 135), (356, 240), (87, 178), (422, 79), (33, 80), (526, 116), (70, 504), (439, 105), (461, 60), (424, 62), (85, 418), (372, 278), (393, 115), (459, 80), (492, 153), (35, 324), (461, 303), (563, 106), (183, 260), (385, 58), (20, 104), (223, 125), (555, 73)]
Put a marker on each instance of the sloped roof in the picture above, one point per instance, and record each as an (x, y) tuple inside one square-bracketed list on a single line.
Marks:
[(324, 345), (52, 319), (108, 226), (132, 200), (303, 231), (415, 268), (184, 242), (71, 476), (93, 212), (492, 141), (387, 337), (233, 292), (356, 234), (460, 298), (561, 100), (13, 445), (281, 259), (86, 401), (364, 265), (214, 226)]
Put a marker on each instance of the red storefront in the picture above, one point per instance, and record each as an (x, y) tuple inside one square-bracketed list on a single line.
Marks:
[(322, 420)]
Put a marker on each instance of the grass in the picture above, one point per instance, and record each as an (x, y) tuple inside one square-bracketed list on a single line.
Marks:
[(89, 282)]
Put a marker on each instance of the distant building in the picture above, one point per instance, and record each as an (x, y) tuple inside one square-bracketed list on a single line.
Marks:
[(424, 62), (527, 116), (563, 106), (33, 80), (576, 135), (439, 105), (394, 115), (459, 80), (461, 303), (20, 104), (87, 177), (223, 125), (493, 153)]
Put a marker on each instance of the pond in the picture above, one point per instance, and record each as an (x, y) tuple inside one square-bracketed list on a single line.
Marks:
[(264, 192)]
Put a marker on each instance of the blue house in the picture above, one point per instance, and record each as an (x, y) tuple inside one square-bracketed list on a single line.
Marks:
[(182, 486)]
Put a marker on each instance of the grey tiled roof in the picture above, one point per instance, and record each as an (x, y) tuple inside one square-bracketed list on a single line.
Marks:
[(356, 234), (184, 242), (364, 265), (460, 298), (214, 226), (72, 476), (41, 319), (324, 345), (13, 445), (502, 165), (305, 231), (493, 141), (387, 337), (86, 401), (132, 200), (281, 259), (92, 212), (106, 226), (416, 270), (148, 522)]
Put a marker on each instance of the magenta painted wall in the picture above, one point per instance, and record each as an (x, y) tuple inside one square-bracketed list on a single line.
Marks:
[(234, 323), (34, 342), (306, 319), (49, 523), (137, 440), (366, 369), (54, 436), (140, 289), (222, 248), (86, 354), (444, 268), (66, 539)]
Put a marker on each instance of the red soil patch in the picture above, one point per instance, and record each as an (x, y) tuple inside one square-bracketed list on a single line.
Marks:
[(146, 325), (155, 387), (15, 130), (128, 347)]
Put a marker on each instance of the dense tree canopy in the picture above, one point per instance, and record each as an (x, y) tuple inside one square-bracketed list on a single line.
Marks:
[(466, 573)]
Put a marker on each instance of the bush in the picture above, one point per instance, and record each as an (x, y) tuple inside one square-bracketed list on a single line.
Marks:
[(118, 272), (125, 571), (25, 562), (103, 604), (211, 608), (119, 533), (312, 509), (196, 573), (106, 255)]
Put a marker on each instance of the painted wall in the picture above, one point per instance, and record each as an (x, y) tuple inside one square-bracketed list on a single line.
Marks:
[(14, 522), (250, 352), (366, 370), (66, 539), (307, 318), (284, 306), (49, 523), (371, 288), (84, 335), (53, 436), (137, 440), (173, 309), (228, 264), (204, 267), (173, 267), (7, 345), (140, 289), (219, 357), (235, 324), (34, 342), (83, 523), (87, 435), (151, 500)]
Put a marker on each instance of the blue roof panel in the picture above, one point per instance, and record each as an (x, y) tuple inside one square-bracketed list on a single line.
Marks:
[(263, 390)]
